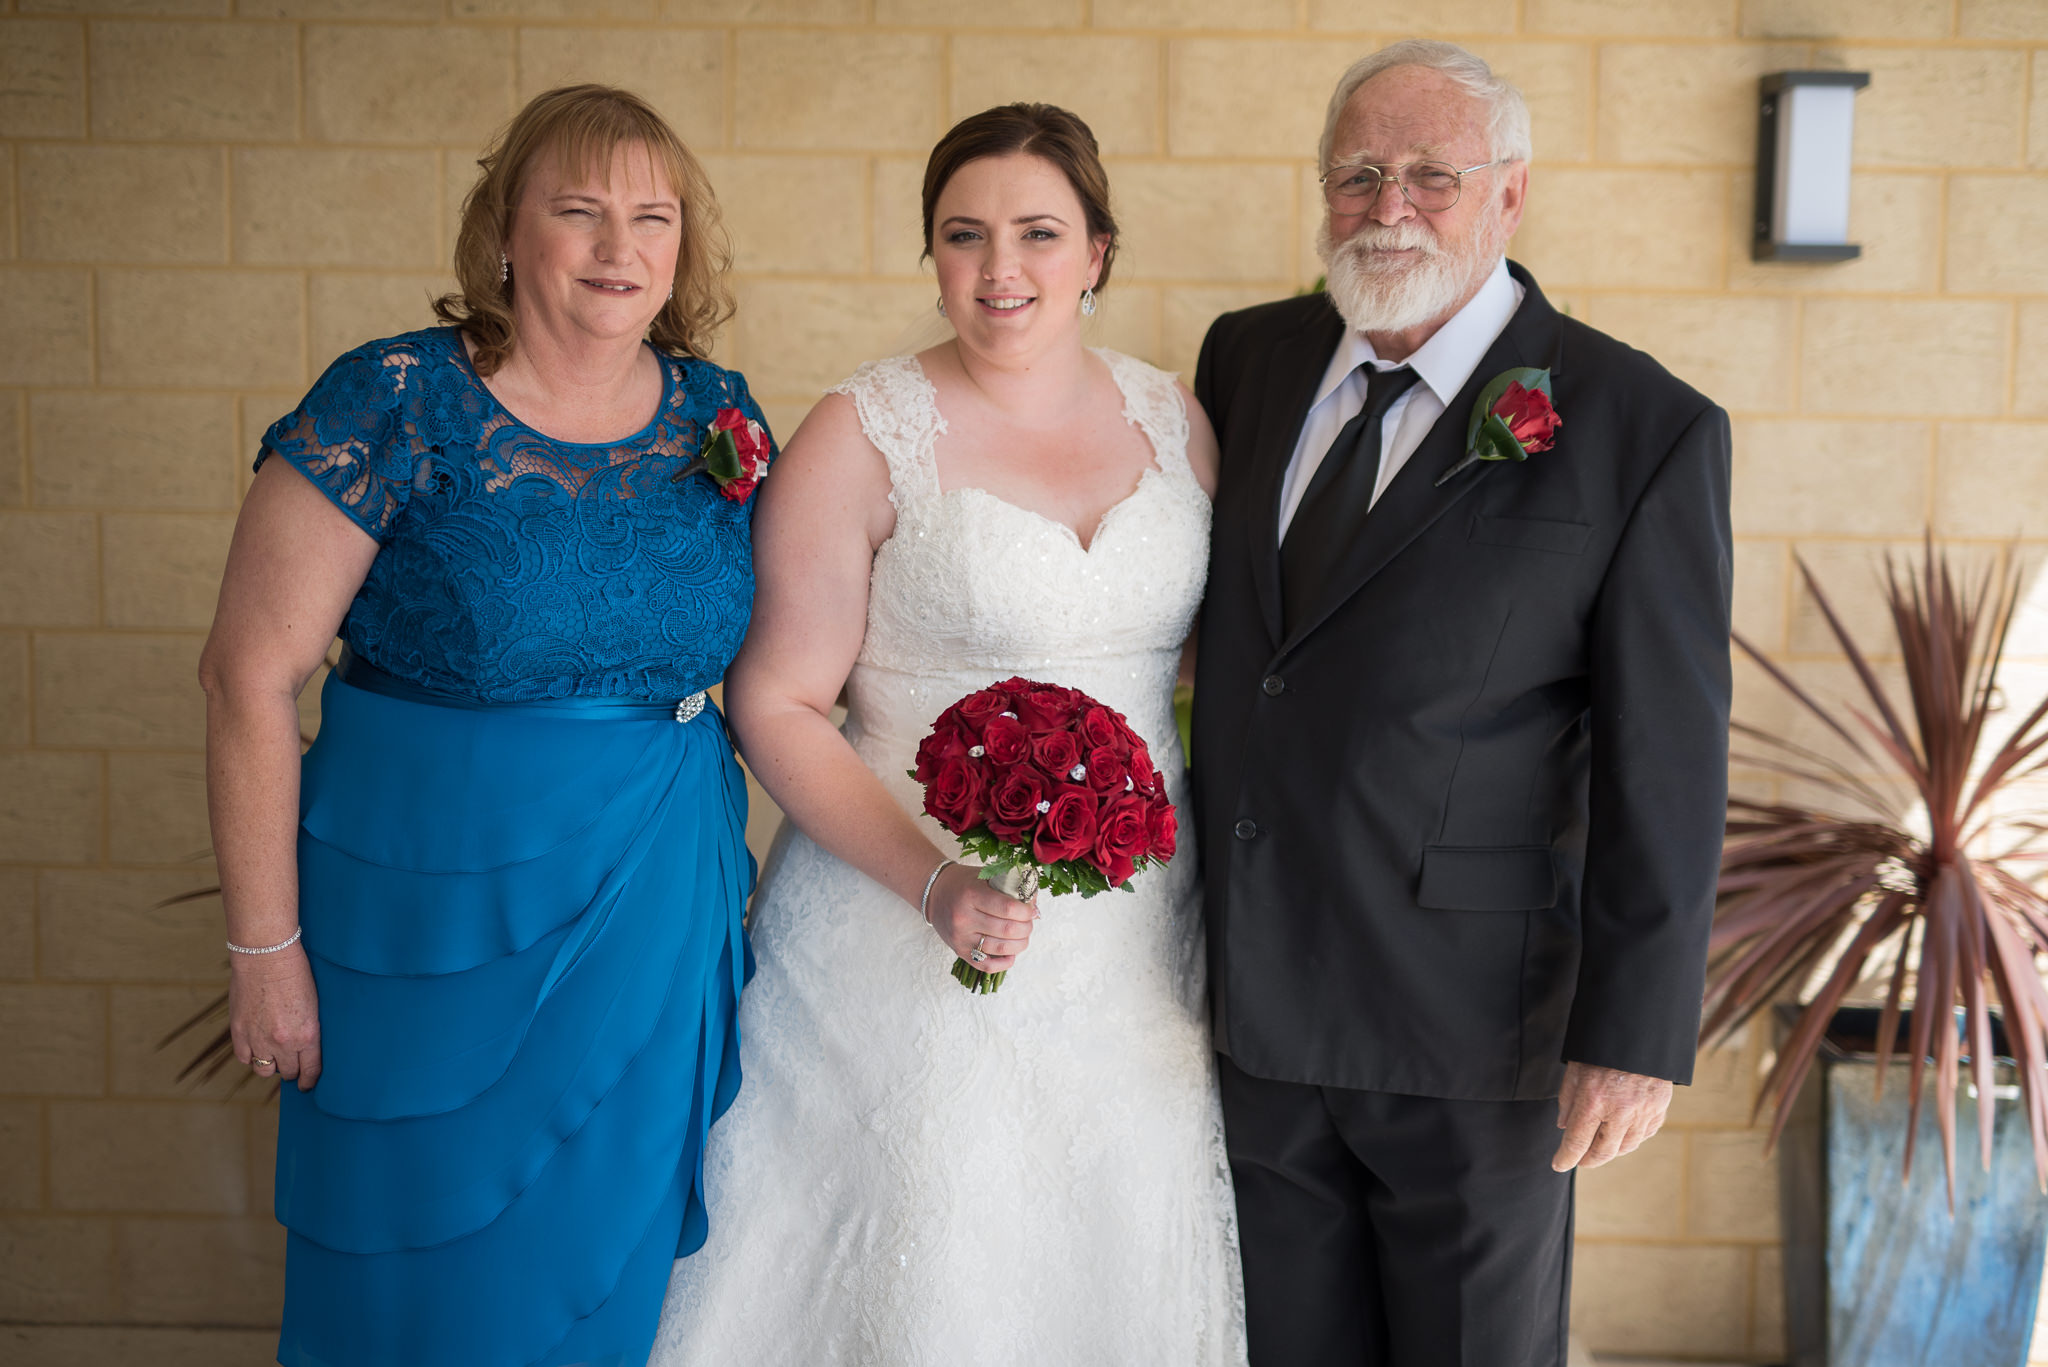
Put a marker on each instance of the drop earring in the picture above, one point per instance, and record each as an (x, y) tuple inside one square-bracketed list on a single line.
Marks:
[(504, 268), (1088, 302), (942, 306)]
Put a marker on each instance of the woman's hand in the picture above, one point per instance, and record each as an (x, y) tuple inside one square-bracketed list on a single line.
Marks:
[(274, 1015), (969, 914)]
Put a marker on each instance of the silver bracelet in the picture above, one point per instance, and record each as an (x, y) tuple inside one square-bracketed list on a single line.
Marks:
[(268, 949), (924, 903)]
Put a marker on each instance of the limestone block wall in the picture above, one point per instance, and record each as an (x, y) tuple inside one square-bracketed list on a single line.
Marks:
[(203, 201)]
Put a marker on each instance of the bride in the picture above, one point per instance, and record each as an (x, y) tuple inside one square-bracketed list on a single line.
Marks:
[(914, 1174)]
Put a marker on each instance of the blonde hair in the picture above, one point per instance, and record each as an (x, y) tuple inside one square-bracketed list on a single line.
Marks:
[(582, 126)]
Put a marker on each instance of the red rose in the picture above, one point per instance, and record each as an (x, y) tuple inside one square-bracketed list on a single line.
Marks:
[(944, 743), (748, 438), (1013, 803), (976, 708), (1143, 776), (1162, 830), (1067, 829), (1121, 839), (1005, 740), (1045, 709), (1098, 727), (1106, 770), (1058, 753), (1528, 414), (954, 797)]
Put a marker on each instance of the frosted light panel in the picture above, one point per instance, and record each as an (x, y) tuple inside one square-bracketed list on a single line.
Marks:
[(1815, 126)]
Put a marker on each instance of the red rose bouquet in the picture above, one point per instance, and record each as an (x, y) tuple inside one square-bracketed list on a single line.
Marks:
[(1049, 789)]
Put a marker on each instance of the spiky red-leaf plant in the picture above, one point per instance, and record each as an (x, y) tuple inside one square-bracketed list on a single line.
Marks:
[(1808, 892)]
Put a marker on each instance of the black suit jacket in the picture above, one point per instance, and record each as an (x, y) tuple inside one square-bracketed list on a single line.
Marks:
[(1462, 823)]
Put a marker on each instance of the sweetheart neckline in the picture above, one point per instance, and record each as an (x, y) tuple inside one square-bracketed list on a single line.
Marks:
[(1155, 466), (1101, 523)]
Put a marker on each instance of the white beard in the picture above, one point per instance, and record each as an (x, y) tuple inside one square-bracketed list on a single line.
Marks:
[(1373, 295)]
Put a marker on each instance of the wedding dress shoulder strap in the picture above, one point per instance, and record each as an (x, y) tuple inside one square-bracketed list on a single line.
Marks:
[(1153, 401), (899, 412)]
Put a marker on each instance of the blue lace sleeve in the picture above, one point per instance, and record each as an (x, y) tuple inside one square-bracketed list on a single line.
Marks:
[(349, 437)]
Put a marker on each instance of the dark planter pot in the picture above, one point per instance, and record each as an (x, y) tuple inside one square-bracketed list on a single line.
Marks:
[(1877, 1273)]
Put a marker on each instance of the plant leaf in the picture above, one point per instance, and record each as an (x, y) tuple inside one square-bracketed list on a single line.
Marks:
[(721, 456)]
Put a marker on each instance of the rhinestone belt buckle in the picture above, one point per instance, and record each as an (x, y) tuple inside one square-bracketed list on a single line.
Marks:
[(689, 707)]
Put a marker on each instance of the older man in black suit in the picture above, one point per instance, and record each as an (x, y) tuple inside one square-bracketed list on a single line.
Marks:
[(1460, 747)]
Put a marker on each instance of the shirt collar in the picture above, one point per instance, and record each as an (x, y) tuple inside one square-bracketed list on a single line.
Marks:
[(1446, 361)]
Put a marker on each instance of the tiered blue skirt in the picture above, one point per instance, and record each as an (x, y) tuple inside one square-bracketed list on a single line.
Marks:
[(524, 925)]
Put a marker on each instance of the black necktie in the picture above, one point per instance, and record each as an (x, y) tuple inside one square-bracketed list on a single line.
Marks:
[(1332, 511)]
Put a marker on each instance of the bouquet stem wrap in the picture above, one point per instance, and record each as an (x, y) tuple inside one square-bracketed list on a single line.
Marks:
[(1012, 880)]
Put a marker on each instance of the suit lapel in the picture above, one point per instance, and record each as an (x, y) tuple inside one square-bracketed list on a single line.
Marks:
[(1413, 501), (1295, 365)]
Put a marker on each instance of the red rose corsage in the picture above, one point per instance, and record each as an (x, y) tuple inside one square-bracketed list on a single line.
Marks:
[(735, 454)]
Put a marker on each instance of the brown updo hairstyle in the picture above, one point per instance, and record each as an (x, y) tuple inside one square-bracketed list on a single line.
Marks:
[(1039, 130), (581, 126)]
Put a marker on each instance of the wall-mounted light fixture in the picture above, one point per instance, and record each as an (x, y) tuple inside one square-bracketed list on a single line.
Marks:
[(1805, 127)]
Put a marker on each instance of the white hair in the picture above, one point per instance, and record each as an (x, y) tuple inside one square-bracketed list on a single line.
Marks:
[(1507, 128)]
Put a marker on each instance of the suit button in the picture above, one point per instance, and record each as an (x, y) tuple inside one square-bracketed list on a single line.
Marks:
[(1246, 829), (1274, 685)]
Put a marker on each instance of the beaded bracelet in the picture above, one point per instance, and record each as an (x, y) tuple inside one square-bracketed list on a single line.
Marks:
[(267, 949), (924, 903)]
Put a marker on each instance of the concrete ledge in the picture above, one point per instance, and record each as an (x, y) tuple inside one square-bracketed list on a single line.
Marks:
[(66, 1346)]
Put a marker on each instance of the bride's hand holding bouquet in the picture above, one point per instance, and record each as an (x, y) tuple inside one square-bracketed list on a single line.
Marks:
[(972, 917)]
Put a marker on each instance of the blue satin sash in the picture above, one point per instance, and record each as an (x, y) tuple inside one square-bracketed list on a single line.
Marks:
[(357, 672)]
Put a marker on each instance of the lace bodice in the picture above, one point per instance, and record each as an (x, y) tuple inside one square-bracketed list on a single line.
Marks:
[(971, 588), (513, 566)]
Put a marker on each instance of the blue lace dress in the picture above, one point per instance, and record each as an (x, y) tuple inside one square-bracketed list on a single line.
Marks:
[(521, 879)]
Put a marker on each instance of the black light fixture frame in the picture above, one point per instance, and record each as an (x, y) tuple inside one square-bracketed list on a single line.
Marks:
[(1770, 88)]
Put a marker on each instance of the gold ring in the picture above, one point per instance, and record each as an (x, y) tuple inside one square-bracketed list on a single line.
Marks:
[(255, 1062)]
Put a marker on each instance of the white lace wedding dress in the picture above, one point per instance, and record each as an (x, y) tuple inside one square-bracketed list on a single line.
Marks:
[(914, 1175)]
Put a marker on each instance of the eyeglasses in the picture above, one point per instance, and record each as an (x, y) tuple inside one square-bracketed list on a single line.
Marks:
[(1431, 186)]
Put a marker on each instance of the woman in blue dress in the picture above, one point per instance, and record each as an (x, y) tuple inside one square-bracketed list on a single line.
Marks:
[(490, 924)]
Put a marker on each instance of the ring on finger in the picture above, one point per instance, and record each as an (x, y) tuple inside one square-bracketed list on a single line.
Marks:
[(255, 1062), (977, 956)]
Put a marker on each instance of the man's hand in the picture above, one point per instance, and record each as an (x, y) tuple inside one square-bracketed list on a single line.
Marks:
[(1606, 1113)]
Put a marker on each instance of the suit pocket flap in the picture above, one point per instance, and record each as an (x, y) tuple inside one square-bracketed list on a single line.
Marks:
[(1487, 878), (1531, 533)]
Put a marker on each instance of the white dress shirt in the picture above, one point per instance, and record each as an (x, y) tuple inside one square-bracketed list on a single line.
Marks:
[(1443, 364)]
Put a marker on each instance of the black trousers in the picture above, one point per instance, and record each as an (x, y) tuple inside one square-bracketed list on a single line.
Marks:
[(1398, 1231)]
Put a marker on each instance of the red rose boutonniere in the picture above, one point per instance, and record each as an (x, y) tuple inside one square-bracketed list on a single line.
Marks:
[(1513, 420), (735, 454)]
